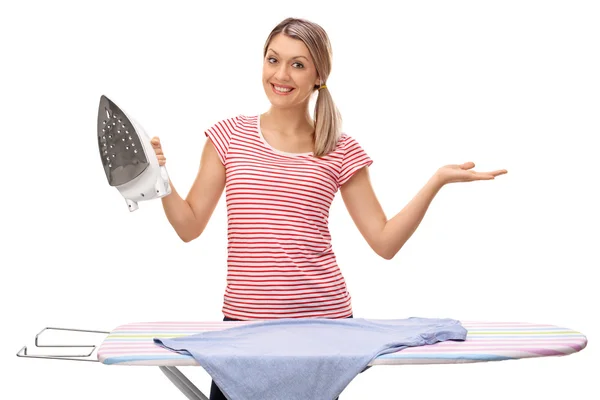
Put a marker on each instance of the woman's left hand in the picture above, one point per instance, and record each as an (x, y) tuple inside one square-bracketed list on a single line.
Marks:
[(464, 173)]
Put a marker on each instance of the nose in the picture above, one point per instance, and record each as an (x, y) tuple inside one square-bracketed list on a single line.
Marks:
[(282, 74)]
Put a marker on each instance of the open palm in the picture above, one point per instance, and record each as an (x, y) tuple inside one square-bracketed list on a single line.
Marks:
[(464, 173)]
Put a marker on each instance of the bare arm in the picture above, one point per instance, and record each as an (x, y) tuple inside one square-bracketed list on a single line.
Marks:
[(401, 227), (386, 237), (190, 216)]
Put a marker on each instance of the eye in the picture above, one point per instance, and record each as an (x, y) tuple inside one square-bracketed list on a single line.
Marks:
[(300, 64), (271, 58)]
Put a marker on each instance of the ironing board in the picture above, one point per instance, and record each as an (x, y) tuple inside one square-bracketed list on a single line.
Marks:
[(132, 344)]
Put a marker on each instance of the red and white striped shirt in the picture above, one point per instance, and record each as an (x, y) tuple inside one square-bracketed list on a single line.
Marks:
[(280, 261)]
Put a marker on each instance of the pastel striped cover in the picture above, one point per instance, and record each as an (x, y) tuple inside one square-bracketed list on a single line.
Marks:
[(132, 344)]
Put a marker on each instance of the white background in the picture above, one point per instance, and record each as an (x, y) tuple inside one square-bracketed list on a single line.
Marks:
[(510, 84)]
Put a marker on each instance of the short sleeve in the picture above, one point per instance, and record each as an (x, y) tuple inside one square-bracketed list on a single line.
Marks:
[(354, 158), (220, 135)]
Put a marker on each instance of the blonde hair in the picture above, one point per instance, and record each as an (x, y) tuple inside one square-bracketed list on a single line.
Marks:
[(328, 120)]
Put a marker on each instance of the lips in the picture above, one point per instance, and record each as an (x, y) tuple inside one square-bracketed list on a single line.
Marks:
[(286, 89)]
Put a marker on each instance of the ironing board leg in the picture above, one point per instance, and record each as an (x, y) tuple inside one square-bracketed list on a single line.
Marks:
[(183, 383), (188, 383)]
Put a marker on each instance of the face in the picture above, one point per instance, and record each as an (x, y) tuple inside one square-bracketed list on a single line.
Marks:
[(289, 74)]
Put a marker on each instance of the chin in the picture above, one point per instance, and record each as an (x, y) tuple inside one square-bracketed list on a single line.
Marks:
[(280, 102), (280, 105)]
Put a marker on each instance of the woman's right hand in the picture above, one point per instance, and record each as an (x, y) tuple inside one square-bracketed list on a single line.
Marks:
[(158, 150)]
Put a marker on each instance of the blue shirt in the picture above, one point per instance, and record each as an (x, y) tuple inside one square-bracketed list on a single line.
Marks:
[(305, 358)]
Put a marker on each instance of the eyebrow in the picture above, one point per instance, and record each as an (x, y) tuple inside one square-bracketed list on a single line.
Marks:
[(292, 57)]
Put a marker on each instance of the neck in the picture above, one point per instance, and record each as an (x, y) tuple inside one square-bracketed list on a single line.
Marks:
[(289, 121)]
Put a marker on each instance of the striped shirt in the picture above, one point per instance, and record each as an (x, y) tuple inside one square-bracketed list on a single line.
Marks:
[(280, 260)]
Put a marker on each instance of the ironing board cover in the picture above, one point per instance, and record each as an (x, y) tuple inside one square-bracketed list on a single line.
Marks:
[(132, 344)]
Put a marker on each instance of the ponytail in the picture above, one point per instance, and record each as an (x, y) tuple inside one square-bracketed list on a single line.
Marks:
[(328, 123)]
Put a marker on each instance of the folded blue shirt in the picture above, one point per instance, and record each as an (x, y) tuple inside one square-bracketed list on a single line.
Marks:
[(305, 358)]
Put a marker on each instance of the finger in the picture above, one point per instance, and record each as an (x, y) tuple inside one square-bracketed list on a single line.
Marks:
[(494, 173), (468, 165), (158, 151), (483, 176), (498, 172), (155, 141), (475, 176)]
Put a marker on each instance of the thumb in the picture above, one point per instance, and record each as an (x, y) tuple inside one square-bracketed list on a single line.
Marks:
[(468, 165)]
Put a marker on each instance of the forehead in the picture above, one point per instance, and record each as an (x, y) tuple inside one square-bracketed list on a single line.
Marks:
[(287, 47)]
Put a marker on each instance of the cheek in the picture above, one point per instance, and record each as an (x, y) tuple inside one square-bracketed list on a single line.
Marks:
[(265, 72), (308, 81)]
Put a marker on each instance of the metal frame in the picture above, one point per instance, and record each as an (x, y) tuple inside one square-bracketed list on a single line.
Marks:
[(183, 383), (175, 376), (82, 357)]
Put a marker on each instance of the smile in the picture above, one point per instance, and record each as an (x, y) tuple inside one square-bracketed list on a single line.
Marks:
[(282, 91)]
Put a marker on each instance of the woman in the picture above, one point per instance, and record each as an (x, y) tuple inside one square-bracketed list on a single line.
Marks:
[(282, 170)]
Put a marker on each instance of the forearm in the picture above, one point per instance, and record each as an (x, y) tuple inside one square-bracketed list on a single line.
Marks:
[(180, 215), (400, 228)]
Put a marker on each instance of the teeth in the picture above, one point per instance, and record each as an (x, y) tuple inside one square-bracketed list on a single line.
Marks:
[(280, 89)]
